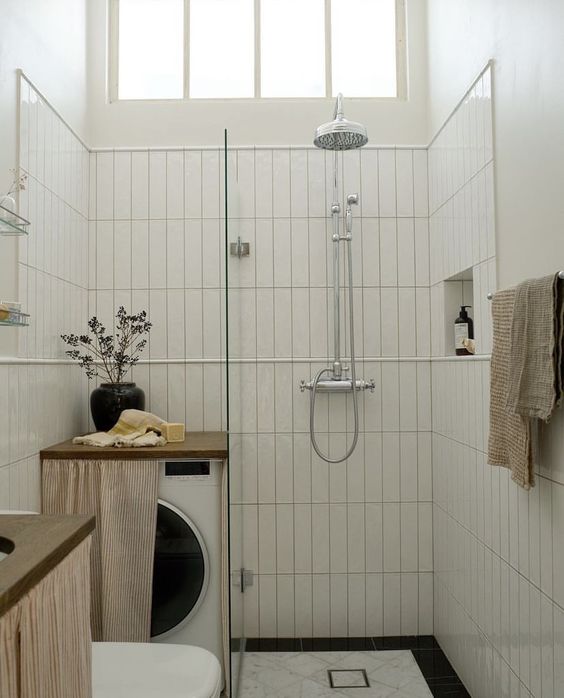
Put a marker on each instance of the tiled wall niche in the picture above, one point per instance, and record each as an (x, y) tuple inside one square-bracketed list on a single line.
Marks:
[(43, 398), (462, 216)]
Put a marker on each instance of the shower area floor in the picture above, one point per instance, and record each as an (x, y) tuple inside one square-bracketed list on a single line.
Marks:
[(323, 672)]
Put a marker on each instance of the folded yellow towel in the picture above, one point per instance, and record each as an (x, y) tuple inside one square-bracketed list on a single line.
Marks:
[(134, 429)]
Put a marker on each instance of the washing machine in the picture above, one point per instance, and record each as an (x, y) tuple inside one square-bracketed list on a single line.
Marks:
[(186, 606)]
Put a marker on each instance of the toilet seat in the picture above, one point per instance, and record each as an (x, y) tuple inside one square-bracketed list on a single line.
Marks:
[(144, 670)]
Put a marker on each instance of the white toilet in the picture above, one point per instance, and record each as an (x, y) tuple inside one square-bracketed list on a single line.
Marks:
[(139, 670), (144, 670)]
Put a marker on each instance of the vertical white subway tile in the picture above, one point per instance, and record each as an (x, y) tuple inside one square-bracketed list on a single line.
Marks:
[(104, 255), (157, 254), (298, 183), (175, 252), (407, 322), (266, 539), (388, 253), (387, 182), (404, 182), (408, 536), (105, 186), (420, 183), (140, 184), (320, 538), (264, 253), (409, 603), (389, 321), (392, 604), (282, 253), (211, 254), (246, 183), (193, 183), (285, 606), (316, 183), (339, 606), (406, 251), (369, 187), (390, 397), (264, 183), (193, 233), (122, 185), (174, 178), (122, 255), (267, 606), (281, 183), (321, 606), (210, 184), (157, 184), (391, 537)]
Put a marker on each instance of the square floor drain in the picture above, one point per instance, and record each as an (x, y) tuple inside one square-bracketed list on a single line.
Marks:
[(348, 678)]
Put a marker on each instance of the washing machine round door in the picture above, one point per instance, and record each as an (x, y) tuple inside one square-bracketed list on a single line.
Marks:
[(181, 571)]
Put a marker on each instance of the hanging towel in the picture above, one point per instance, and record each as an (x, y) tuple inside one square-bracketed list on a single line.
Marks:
[(510, 434), (536, 378), (134, 428)]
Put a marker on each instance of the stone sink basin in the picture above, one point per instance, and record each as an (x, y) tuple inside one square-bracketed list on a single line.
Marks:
[(6, 547)]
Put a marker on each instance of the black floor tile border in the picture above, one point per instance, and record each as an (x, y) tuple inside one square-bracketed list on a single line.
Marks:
[(438, 672)]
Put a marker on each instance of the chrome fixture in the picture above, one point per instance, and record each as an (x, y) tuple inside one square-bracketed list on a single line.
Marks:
[(240, 248), (339, 134), (560, 276), (340, 386)]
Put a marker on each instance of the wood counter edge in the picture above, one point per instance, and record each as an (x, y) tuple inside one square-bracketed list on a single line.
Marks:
[(197, 445), (25, 567)]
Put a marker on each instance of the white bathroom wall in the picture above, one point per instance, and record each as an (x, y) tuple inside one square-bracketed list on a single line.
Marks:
[(337, 550), (43, 399), (525, 41), (499, 586), (343, 549), (166, 123), (48, 41), (462, 219), (155, 244)]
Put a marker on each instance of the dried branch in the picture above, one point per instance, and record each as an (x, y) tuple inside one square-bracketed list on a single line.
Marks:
[(110, 356)]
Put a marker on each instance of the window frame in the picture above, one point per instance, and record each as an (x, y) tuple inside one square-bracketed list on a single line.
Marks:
[(113, 60)]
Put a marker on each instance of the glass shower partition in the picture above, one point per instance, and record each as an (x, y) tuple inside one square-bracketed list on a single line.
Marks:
[(232, 255)]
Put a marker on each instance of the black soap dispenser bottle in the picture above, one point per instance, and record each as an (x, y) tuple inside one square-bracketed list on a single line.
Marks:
[(463, 329)]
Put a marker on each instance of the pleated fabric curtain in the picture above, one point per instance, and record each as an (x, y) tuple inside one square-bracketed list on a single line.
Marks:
[(45, 641), (123, 495), (10, 653)]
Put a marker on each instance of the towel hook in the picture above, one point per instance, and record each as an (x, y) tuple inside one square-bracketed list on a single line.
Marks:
[(491, 295)]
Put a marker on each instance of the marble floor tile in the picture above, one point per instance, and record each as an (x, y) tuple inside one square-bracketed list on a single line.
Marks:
[(392, 674)]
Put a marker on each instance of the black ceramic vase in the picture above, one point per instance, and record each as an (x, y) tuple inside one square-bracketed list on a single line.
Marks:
[(109, 400)]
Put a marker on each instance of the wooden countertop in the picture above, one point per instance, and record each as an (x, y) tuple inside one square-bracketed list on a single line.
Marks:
[(197, 444), (40, 543)]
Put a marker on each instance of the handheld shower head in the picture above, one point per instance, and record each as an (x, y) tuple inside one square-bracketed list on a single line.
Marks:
[(340, 134)]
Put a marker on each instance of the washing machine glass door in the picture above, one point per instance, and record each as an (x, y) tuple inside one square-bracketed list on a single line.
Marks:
[(181, 570)]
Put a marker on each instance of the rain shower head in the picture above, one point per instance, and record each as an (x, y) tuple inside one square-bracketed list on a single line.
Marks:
[(340, 134)]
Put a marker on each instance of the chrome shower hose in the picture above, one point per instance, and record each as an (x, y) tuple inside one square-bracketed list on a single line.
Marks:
[(323, 371)]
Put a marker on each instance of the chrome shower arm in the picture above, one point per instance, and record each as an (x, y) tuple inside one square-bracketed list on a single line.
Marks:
[(339, 112)]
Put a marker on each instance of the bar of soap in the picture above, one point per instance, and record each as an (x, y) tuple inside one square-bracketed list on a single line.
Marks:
[(173, 431)]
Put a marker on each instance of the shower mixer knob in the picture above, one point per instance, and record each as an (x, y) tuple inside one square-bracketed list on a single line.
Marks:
[(352, 199)]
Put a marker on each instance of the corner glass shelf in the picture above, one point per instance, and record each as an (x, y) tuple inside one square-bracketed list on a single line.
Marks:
[(15, 319), (11, 223)]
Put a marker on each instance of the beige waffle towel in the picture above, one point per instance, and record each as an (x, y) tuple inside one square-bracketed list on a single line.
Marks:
[(536, 378), (510, 434), (134, 428)]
